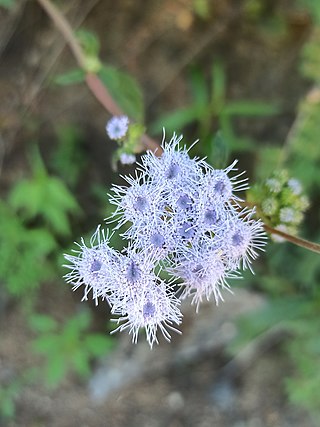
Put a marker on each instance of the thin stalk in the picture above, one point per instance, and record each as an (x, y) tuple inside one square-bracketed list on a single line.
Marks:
[(93, 82), (311, 246)]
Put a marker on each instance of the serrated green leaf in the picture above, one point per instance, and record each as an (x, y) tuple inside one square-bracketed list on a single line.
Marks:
[(47, 197), (27, 195)]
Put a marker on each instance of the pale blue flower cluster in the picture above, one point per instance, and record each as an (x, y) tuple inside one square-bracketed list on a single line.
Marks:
[(181, 216)]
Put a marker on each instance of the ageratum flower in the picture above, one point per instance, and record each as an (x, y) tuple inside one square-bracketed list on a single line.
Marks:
[(91, 266), (154, 306), (181, 219)]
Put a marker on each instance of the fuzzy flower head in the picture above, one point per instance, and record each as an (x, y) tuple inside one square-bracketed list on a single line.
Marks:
[(241, 239), (153, 308), (174, 168), (181, 219), (203, 273), (117, 127), (91, 266)]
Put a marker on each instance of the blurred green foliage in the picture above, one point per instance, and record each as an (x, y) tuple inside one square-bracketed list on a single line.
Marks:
[(20, 248), (8, 395), (291, 275), (8, 4), (35, 218), (44, 198), (201, 8), (209, 108), (69, 158), (36, 211), (69, 347)]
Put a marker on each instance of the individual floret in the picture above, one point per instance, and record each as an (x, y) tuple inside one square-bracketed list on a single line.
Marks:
[(154, 307), (91, 266), (136, 203), (117, 127), (240, 240), (174, 168), (219, 188), (203, 273)]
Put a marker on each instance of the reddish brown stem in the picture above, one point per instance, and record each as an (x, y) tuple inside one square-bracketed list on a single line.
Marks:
[(93, 82), (102, 94), (314, 247)]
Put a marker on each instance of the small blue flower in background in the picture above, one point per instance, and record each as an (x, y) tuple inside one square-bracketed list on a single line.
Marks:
[(117, 127), (182, 216), (127, 159)]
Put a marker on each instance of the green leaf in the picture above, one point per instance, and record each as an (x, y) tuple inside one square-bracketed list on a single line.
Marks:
[(176, 120), (55, 370), (125, 90), (8, 4), (21, 248), (249, 108), (45, 344), (69, 158), (218, 151), (7, 407), (218, 86), (76, 324), (199, 88), (70, 77), (80, 363), (42, 323), (98, 344), (281, 310), (89, 41), (201, 8), (45, 196)]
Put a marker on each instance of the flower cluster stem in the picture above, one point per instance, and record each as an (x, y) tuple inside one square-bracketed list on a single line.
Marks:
[(93, 82), (311, 246)]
